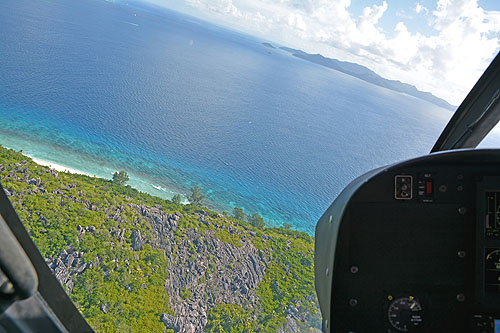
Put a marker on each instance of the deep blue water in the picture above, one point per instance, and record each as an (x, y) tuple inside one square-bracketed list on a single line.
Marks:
[(176, 101)]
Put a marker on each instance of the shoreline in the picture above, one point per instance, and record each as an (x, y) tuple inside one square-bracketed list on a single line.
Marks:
[(52, 165), (146, 186), (158, 191), (58, 167)]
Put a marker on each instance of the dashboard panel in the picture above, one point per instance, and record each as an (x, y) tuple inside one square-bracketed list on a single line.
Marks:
[(414, 247)]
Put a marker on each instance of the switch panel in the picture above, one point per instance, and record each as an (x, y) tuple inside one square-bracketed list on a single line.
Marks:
[(403, 187)]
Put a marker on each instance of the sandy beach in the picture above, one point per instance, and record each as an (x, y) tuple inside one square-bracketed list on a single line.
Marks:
[(140, 185), (58, 167)]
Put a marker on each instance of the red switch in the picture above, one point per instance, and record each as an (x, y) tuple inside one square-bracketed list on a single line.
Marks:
[(428, 187)]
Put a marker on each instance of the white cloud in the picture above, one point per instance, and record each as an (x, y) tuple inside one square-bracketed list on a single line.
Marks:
[(419, 8), (463, 39), (218, 6), (296, 21)]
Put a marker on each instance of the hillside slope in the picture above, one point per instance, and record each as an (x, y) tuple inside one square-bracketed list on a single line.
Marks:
[(366, 74), (134, 262)]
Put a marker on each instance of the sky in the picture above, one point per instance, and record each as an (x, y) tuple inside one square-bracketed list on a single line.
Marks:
[(439, 46)]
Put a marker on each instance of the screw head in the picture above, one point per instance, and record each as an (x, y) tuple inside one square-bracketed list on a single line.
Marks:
[(462, 210), (353, 302), (460, 297), (354, 269), (461, 254)]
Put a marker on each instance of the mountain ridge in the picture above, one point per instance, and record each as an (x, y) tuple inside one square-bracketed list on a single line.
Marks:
[(367, 75)]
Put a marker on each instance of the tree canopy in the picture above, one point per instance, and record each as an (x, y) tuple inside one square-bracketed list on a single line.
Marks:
[(196, 197), (238, 213), (256, 220), (176, 199), (120, 177)]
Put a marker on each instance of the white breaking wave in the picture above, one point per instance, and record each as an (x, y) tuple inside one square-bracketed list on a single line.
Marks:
[(159, 188)]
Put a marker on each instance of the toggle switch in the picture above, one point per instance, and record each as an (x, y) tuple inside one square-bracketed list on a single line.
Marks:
[(403, 187)]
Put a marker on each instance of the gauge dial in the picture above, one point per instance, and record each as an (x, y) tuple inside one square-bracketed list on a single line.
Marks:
[(492, 271), (405, 313), (493, 259)]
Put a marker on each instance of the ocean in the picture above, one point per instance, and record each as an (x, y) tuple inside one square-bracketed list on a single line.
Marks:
[(177, 102)]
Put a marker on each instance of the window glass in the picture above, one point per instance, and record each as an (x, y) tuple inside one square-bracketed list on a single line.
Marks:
[(492, 140), (170, 161)]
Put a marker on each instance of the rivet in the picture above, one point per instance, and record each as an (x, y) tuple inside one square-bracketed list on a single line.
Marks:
[(353, 302), (462, 210), (461, 254), (354, 269), (460, 297)]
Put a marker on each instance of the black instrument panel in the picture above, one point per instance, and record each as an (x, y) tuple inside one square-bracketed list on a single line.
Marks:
[(414, 247)]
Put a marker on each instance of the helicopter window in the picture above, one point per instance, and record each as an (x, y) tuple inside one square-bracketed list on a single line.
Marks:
[(492, 139), (170, 161)]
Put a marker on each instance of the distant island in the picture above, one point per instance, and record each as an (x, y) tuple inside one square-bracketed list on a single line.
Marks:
[(268, 45), (365, 74)]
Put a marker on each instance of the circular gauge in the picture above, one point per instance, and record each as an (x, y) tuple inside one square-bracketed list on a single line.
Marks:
[(405, 313), (493, 259)]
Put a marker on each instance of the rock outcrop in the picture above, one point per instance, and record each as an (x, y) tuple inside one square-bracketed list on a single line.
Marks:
[(214, 271), (67, 264)]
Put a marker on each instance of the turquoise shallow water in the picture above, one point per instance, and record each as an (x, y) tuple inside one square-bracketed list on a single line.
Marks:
[(179, 102)]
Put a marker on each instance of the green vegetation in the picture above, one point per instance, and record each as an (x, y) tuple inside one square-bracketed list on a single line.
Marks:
[(238, 213), (228, 238), (69, 203), (176, 199), (122, 289), (120, 177), (186, 293), (229, 318), (256, 220), (196, 198), (287, 278)]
